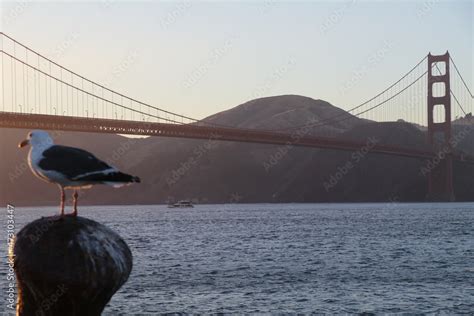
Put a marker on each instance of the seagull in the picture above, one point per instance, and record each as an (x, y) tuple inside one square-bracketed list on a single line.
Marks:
[(69, 167)]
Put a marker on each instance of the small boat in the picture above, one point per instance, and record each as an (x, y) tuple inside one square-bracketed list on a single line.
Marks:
[(181, 204)]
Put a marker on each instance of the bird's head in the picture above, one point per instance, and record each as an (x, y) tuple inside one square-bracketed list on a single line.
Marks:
[(37, 138)]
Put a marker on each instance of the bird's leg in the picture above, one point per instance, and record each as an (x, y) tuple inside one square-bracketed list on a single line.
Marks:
[(63, 198), (75, 196)]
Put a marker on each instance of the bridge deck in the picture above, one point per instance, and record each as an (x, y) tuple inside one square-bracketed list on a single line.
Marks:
[(97, 125)]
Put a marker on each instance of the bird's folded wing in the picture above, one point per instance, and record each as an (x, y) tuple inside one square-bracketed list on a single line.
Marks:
[(72, 162)]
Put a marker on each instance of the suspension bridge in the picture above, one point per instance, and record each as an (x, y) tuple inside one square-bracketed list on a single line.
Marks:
[(38, 93)]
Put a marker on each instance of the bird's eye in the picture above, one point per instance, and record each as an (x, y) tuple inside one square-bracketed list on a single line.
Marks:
[(30, 135)]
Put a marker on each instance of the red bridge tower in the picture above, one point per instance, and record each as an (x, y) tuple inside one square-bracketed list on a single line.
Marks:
[(440, 186)]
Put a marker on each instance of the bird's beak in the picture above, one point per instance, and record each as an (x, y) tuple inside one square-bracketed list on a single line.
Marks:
[(23, 143)]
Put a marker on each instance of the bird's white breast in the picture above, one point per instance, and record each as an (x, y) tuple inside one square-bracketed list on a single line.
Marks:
[(34, 157)]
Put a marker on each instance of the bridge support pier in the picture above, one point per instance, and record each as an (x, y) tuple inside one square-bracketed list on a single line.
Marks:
[(440, 177)]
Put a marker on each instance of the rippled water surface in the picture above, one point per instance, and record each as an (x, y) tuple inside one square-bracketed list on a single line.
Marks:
[(268, 258)]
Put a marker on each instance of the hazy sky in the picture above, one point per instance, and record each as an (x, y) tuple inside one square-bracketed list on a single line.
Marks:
[(198, 58)]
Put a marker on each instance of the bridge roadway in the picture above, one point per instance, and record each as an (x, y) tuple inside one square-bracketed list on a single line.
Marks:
[(195, 131)]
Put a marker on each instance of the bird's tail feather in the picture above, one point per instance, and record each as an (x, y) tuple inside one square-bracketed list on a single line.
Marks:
[(112, 178)]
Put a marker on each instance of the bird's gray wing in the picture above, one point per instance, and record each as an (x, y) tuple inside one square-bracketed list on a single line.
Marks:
[(70, 161)]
